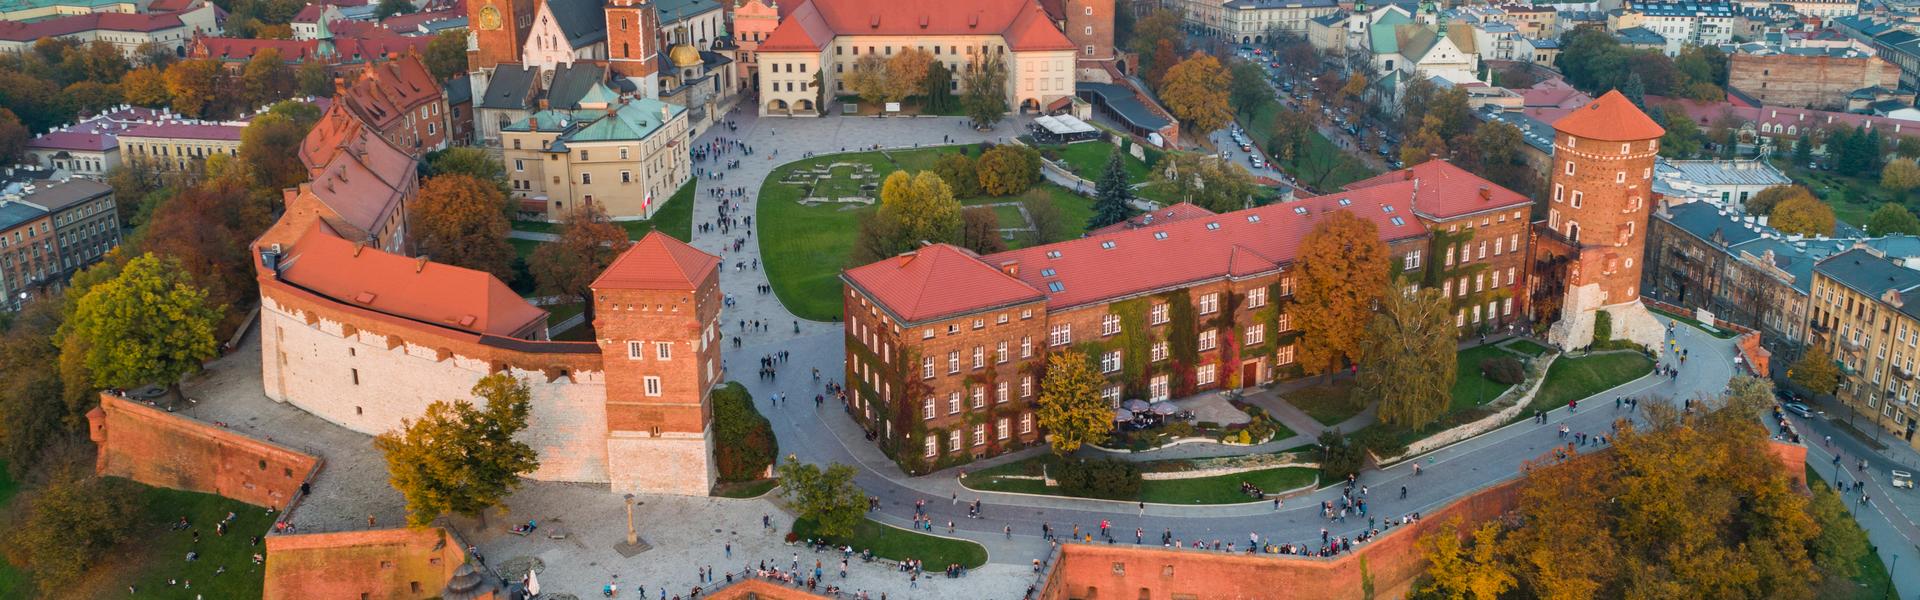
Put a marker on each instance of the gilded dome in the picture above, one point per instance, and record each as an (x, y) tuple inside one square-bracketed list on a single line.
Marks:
[(684, 56)]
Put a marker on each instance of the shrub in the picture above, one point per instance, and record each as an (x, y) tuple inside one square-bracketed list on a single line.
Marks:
[(1503, 369), (1338, 458), (1383, 440), (744, 445), (1602, 328), (1109, 479), (1179, 430)]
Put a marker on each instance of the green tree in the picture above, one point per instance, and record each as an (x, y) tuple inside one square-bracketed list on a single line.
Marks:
[(1892, 219), (1342, 272), (1635, 90), (70, 525), (828, 497), (315, 79), (447, 55), (1815, 371), (1683, 138), (458, 220), (1841, 544), (1249, 91), (1803, 149), (1071, 409), (1207, 181), (270, 148), (388, 8), (148, 325), (1008, 169), (906, 73), (460, 459), (1196, 91), (1804, 215), (957, 170), (1291, 131), (1411, 358), (93, 97), (13, 137), (985, 93), (589, 241), (266, 78), (471, 161), (1048, 224), (1907, 147), (1113, 198), (744, 444), (34, 414), (938, 89), (922, 204)]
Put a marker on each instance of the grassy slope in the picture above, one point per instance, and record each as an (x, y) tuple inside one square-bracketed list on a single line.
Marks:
[(1576, 378), (1319, 153), (1328, 403), (674, 218), (806, 247), (1470, 389), (897, 544), (1089, 161)]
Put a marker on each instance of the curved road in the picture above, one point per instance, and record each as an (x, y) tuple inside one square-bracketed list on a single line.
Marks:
[(828, 435)]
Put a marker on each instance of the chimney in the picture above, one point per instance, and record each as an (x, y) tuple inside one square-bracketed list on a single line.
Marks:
[(1486, 194), (1011, 268), (357, 247), (543, 104), (339, 86), (1406, 174), (420, 264)]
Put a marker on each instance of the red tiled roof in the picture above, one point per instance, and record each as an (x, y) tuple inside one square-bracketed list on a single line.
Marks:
[(310, 13), (328, 136), (363, 182), (1779, 117), (1446, 191), (16, 31), (658, 262), (389, 91), (418, 289), (936, 281), (1117, 264), (376, 43), (183, 130), (1612, 118), (1159, 216), (160, 6), (1022, 22)]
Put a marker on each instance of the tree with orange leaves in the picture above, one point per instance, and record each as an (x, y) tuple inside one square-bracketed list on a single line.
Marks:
[(459, 220), (589, 241)]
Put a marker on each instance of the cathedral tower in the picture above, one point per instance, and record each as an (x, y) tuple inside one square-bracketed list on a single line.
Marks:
[(498, 29), (633, 44)]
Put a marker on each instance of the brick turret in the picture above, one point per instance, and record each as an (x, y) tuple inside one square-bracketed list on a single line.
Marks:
[(1601, 192)]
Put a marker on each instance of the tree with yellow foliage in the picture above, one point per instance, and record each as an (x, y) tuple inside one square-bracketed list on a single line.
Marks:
[(1342, 272), (1804, 215), (1196, 91)]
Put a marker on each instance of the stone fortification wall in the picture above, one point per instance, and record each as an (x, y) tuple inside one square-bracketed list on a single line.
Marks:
[(154, 447)]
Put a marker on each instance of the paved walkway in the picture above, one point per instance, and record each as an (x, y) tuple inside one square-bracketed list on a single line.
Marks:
[(1891, 515)]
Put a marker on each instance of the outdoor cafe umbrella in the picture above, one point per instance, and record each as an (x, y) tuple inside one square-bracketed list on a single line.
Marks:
[(1122, 415), (1135, 405), (1164, 408)]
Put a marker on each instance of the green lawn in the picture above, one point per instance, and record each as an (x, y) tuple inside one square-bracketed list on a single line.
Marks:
[(1470, 389), (523, 248), (748, 489), (1525, 346), (1321, 166), (1853, 198), (898, 544), (1009, 216), (1873, 582), (1224, 489), (1219, 489), (806, 247), (1089, 160), (674, 218), (559, 313), (1329, 403), (158, 553), (1714, 331), (1577, 378)]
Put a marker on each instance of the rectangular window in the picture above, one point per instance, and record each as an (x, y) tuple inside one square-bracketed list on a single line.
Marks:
[(1256, 297), (1284, 356), (653, 385), (1159, 351), (953, 440), (1026, 423), (1204, 375), (1110, 362), (933, 446), (979, 396), (1000, 353), (1026, 346), (634, 350), (1060, 334), (953, 361), (979, 357), (1000, 429), (1413, 260), (927, 411), (1256, 335), (1286, 286), (1000, 393), (1157, 388), (1111, 394), (1026, 386), (1207, 340), (663, 350), (1159, 313), (1209, 304), (953, 403), (926, 367), (1109, 325)]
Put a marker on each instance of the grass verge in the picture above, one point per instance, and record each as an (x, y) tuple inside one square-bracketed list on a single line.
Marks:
[(745, 489), (1713, 331), (1577, 378), (1218, 489), (899, 544), (675, 218), (1329, 403), (1525, 346), (157, 552)]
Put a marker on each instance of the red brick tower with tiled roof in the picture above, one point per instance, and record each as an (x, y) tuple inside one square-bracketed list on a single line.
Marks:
[(657, 320), (1601, 190), (631, 38)]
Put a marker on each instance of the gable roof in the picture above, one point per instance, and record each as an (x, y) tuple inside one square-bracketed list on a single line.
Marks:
[(572, 81), (363, 183), (1159, 216), (583, 21), (1611, 118), (1022, 23), (1443, 190), (389, 91), (511, 87), (919, 285), (658, 262), (414, 288)]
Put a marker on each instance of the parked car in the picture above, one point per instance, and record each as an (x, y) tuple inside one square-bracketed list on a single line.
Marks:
[(1799, 409), (1902, 479)]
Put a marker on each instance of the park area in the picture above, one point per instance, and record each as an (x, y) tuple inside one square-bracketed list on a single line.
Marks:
[(1574, 378), (896, 544), (1334, 402), (807, 244)]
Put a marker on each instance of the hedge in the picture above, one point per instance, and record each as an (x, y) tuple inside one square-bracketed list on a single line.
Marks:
[(744, 445)]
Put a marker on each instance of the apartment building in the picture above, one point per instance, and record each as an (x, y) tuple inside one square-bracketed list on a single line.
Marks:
[(1866, 314)]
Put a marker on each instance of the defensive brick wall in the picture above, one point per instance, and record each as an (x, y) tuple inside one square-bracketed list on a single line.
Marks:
[(402, 564), (154, 447)]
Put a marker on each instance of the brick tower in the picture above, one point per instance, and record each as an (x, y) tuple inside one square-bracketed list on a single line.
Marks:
[(657, 315), (632, 44), (1601, 188), (498, 29), (1089, 25)]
